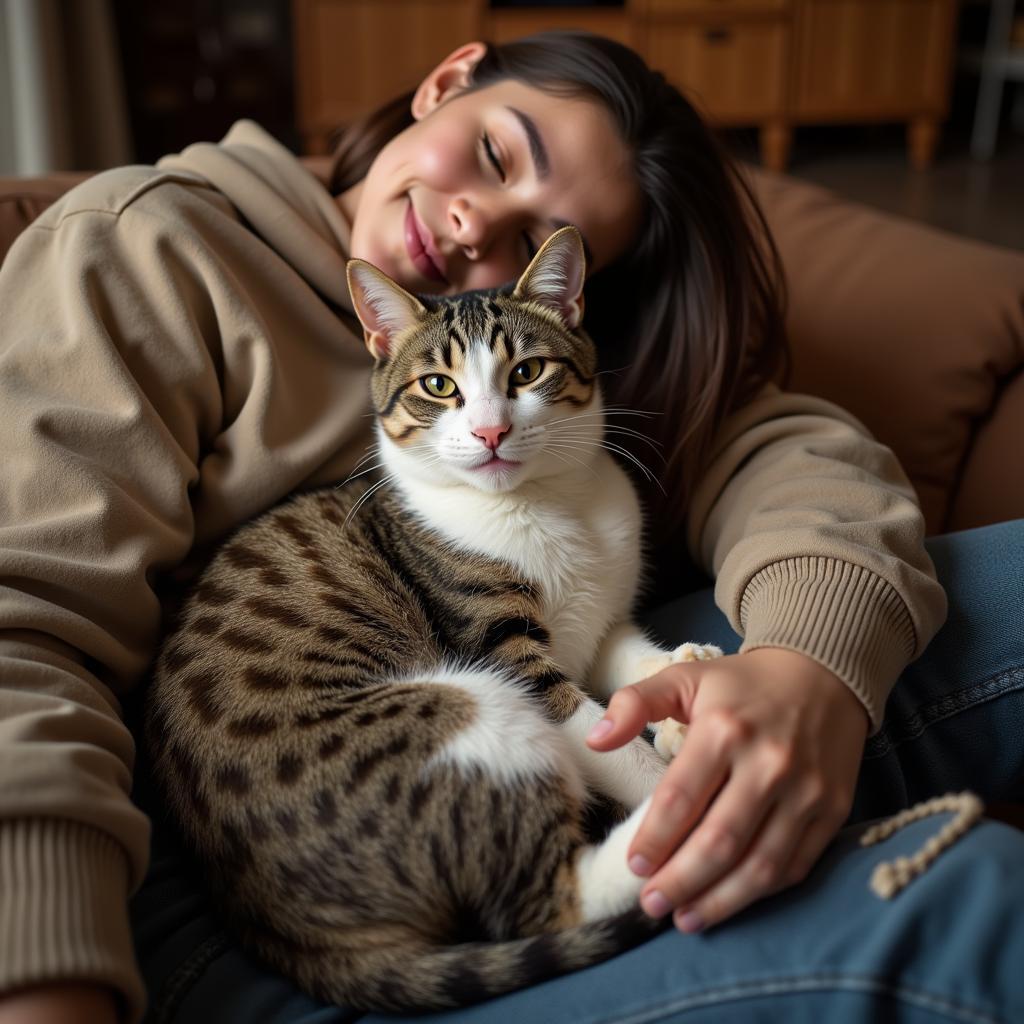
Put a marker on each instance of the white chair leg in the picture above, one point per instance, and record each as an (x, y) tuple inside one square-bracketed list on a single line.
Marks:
[(986, 116), (993, 74)]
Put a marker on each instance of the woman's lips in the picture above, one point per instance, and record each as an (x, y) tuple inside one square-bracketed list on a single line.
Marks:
[(422, 251)]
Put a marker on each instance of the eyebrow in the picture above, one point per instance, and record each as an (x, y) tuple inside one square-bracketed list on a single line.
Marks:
[(538, 151), (542, 165)]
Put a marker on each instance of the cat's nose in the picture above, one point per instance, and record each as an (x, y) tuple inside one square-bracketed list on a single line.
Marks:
[(491, 436)]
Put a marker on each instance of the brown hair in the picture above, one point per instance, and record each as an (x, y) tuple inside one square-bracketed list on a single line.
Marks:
[(693, 312)]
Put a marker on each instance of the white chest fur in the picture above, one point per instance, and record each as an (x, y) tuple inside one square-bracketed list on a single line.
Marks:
[(577, 538)]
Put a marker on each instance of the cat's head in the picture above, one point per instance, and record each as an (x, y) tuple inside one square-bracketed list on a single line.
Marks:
[(489, 388)]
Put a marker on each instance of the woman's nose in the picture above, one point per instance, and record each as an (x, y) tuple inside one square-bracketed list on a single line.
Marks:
[(469, 226)]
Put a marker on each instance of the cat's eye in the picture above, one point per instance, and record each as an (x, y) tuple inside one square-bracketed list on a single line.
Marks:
[(438, 385), (527, 372)]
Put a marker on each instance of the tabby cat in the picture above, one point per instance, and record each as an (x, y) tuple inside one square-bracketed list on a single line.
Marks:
[(369, 720)]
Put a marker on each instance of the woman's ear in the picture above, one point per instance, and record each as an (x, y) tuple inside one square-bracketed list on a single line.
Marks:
[(451, 76)]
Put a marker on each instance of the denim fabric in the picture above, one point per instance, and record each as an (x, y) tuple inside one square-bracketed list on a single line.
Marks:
[(948, 948), (955, 719)]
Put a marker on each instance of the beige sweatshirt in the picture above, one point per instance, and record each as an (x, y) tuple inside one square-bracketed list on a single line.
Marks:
[(175, 357)]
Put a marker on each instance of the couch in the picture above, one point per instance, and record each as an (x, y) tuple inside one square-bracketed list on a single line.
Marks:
[(917, 332)]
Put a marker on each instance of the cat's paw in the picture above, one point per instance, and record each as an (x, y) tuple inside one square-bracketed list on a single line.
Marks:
[(694, 652), (668, 737), (655, 663), (668, 733)]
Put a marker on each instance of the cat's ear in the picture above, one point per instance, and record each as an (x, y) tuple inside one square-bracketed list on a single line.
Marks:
[(385, 309), (555, 276)]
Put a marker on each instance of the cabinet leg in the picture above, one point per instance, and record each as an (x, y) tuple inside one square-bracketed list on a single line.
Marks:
[(922, 140), (776, 139)]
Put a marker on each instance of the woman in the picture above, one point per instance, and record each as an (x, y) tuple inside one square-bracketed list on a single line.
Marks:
[(178, 355)]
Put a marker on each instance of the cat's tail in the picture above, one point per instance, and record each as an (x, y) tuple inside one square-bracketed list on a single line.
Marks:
[(401, 978), (397, 968)]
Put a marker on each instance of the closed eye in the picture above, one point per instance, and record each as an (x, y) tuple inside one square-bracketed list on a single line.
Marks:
[(492, 156)]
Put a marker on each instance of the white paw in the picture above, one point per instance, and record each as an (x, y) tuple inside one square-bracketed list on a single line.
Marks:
[(651, 666), (668, 733), (695, 652), (668, 737)]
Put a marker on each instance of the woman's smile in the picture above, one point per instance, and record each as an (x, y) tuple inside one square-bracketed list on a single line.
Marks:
[(439, 211), (422, 248)]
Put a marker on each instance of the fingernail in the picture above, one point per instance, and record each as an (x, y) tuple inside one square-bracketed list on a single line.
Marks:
[(639, 865), (689, 921), (602, 728), (655, 905)]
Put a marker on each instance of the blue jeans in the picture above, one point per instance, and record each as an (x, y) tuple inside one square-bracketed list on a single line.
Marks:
[(950, 947)]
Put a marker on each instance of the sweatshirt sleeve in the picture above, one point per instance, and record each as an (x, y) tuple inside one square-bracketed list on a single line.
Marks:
[(106, 389), (815, 539)]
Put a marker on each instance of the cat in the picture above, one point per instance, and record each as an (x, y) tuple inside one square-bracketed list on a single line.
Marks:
[(369, 719)]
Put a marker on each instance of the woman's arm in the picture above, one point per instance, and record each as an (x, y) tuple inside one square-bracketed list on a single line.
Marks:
[(106, 388), (165, 374), (817, 544), (62, 1003)]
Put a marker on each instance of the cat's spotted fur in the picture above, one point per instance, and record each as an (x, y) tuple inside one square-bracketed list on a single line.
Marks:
[(369, 719)]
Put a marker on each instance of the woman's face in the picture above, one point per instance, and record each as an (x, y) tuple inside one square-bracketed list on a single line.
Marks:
[(464, 197)]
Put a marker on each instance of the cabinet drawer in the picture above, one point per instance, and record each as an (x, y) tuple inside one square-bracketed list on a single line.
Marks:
[(669, 7), (503, 24), (733, 71), (859, 58)]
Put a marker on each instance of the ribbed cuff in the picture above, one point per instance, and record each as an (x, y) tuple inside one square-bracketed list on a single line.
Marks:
[(847, 618), (64, 909)]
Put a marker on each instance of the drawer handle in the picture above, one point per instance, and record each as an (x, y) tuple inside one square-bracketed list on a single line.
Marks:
[(717, 35)]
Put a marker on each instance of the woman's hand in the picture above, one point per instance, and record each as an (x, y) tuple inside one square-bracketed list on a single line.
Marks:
[(763, 782), (59, 1003)]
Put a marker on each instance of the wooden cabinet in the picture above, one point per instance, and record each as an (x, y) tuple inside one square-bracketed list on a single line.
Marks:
[(875, 60), (714, 7), (732, 70), (502, 24), (777, 64), (774, 64), (352, 55)]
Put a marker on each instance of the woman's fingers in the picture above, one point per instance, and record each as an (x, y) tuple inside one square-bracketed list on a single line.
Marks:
[(762, 783), (715, 846), (669, 694), (782, 855), (679, 800)]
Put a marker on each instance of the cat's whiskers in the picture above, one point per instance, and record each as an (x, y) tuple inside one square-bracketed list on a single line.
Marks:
[(363, 498), (612, 447), (561, 458), (618, 410), (376, 487), (377, 451), (625, 431), (602, 414)]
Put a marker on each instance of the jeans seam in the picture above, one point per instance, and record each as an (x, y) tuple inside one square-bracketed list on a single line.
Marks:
[(184, 978), (809, 983), (998, 685)]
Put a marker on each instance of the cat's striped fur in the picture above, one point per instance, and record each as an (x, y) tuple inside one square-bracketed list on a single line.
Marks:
[(369, 718)]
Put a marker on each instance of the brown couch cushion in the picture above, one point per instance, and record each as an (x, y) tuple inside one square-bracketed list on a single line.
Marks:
[(992, 487), (913, 330), (23, 199)]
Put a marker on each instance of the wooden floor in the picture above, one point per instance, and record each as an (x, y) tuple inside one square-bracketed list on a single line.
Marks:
[(958, 194)]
